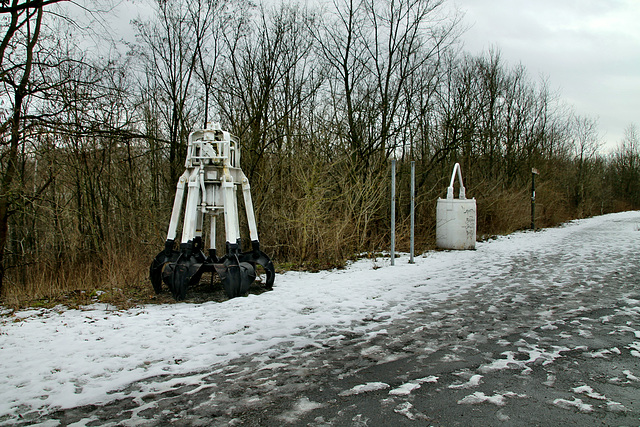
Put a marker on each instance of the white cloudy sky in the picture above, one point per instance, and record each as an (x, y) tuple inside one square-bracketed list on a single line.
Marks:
[(589, 50)]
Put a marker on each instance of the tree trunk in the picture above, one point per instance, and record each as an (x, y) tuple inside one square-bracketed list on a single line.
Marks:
[(12, 155)]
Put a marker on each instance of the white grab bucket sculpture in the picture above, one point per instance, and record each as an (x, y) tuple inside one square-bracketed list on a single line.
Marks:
[(456, 218)]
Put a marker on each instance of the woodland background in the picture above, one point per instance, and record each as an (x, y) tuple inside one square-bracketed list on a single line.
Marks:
[(93, 134)]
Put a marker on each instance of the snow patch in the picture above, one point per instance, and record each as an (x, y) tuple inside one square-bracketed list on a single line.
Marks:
[(450, 357), (406, 409), (501, 416), (573, 404), (479, 397), (535, 354), (364, 388), (272, 366), (630, 375), (406, 388), (601, 354), (301, 407), (474, 381), (588, 391), (551, 380), (616, 407)]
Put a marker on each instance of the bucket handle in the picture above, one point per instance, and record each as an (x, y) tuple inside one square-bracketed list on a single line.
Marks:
[(453, 177)]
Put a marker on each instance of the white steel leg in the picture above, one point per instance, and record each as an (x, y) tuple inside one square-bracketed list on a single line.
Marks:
[(191, 210), (248, 206), (235, 214), (230, 218), (177, 206)]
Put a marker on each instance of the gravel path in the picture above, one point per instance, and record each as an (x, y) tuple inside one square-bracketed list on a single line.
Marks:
[(544, 336)]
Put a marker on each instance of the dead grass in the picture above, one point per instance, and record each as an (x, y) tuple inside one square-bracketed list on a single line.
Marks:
[(119, 285), (317, 225)]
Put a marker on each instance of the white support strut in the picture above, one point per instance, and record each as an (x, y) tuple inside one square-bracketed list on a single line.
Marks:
[(230, 215), (191, 209), (177, 206), (248, 204)]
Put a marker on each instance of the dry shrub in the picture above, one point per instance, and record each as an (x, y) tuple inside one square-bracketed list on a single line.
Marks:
[(621, 206), (364, 206), (324, 215), (311, 214), (501, 211), (120, 268), (115, 276), (49, 282), (552, 207), (296, 223)]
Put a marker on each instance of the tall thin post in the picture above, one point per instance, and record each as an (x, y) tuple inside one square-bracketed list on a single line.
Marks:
[(413, 211), (534, 172), (393, 211)]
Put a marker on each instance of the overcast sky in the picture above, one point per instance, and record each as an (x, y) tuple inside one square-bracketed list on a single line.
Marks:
[(589, 50)]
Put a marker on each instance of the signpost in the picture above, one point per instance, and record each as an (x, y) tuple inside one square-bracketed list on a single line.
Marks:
[(393, 211), (413, 211), (534, 172)]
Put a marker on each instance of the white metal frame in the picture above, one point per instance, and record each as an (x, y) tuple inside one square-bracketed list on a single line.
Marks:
[(211, 178)]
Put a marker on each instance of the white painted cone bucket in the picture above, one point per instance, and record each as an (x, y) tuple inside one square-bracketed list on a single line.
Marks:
[(456, 218)]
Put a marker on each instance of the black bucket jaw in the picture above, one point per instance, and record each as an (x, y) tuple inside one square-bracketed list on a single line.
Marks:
[(260, 258), (238, 270), (210, 182), (178, 269), (182, 269)]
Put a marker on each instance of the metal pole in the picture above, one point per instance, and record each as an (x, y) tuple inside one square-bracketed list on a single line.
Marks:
[(534, 172), (413, 211), (393, 211)]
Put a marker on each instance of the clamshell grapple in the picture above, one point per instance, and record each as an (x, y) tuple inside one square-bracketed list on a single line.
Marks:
[(211, 181)]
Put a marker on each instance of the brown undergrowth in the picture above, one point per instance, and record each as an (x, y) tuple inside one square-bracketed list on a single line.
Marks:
[(314, 224)]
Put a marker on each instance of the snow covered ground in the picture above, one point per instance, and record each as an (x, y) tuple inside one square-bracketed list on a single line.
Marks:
[(58, 358)]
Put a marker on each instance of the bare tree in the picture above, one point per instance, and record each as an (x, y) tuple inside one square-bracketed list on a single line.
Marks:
[(169, 46), (267, 78), (210, 19), (409, 39), (585, 142), (19, 56), (343, 46), (626, 167), (384, 56)]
